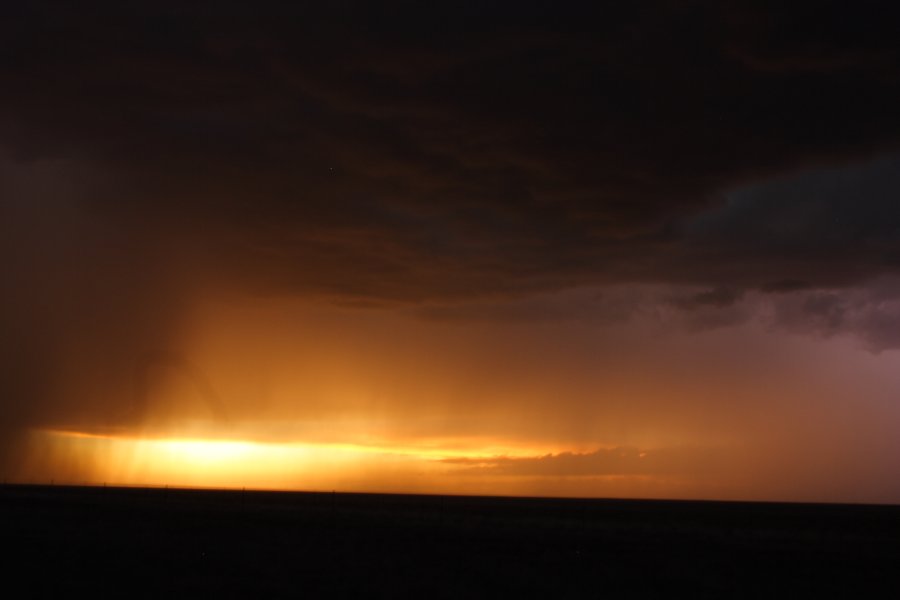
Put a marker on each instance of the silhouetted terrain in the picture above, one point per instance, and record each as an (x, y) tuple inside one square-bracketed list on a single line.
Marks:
[(156, 542)]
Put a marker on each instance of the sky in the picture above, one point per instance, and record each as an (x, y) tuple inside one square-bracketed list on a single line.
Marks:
[(647, 250)]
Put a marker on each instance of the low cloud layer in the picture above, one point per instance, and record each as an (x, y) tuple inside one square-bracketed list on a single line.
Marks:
[(613, 461)]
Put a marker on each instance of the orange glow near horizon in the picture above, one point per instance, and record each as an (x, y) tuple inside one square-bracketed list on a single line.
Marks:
[(362, 401), (428, 467), (93, 458)]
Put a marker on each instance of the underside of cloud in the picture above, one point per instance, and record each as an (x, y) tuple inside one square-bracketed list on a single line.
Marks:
[(404, 155)]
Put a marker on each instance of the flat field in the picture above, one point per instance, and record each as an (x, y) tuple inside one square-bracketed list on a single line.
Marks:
[(151, 542)]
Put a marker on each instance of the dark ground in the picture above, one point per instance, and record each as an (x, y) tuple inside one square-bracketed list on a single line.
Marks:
[(154, 542)]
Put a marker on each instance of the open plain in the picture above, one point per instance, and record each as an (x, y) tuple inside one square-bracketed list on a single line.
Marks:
[(152, 542)]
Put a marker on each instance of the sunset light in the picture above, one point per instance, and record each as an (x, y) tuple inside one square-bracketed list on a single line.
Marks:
[(224, 463), (450, 300), (429, 466)]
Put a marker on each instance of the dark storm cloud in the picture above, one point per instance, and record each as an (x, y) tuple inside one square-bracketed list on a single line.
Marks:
[(545, 174), (871, 314), (785, 285), (582, 304), (719, 297), (418, 154), (827, 226)]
